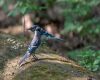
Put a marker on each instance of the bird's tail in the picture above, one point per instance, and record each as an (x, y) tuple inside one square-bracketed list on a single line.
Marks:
[(24, 58)]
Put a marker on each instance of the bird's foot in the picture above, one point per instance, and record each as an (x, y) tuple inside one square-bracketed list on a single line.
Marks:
[(21, 63), (34, 58)]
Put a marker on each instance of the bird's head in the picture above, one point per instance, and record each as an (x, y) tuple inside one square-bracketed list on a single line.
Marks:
[(33, 28)]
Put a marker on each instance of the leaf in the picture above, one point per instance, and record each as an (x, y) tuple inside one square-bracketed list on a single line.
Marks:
[(2, 2), (95, 67), (97, 61)]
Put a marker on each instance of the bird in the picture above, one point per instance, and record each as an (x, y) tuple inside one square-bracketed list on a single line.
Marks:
[(36, 41)]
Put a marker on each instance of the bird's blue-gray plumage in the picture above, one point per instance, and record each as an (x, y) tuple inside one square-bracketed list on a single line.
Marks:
[(35, 43)]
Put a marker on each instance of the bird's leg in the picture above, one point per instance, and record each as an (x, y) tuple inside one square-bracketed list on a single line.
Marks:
[(34, 57)]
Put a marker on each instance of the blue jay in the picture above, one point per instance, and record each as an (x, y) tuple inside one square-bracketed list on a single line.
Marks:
[(35, 43)]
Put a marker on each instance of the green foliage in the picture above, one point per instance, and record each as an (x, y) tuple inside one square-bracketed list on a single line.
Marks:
[(25, 6), (87, 58), (79, 17), (77, 13)]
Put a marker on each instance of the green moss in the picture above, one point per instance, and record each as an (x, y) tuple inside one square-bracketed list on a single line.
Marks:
[(42, 72)]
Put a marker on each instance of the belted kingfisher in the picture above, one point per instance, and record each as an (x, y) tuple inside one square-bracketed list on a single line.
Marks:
[(35, 43)]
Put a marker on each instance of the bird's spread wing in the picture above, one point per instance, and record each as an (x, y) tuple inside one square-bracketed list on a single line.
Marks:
[(51, 36)]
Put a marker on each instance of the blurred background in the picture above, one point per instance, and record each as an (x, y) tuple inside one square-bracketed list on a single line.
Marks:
[(76, 21)]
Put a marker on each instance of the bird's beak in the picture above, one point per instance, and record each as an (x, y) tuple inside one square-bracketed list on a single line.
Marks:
[(29, 28)]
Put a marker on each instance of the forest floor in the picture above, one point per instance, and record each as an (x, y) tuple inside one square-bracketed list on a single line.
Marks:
[(50, 66)]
